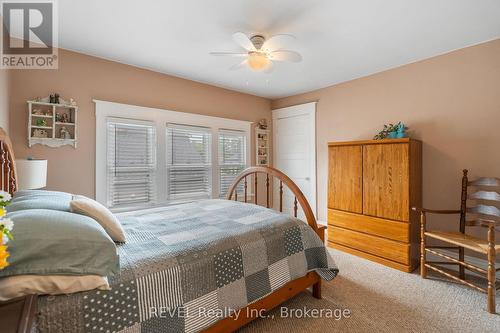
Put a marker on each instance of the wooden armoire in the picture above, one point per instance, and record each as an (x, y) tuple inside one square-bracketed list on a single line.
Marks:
[(372, 186)]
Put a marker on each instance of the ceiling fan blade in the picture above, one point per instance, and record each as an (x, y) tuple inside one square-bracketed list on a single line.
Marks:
[(269, 68), (243, 41), (239, 65), (284, 55), (277, 42), (229, 54)]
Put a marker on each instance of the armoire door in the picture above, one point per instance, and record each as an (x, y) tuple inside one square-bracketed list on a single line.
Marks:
[(385, 181), (345, 178)]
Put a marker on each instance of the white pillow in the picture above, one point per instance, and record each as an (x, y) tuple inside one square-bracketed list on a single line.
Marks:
[(21, 285), (86, 206)]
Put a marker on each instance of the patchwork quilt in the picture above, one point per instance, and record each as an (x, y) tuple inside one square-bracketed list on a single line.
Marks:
[(184, 267)]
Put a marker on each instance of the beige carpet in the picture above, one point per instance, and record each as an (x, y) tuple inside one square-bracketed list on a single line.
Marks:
[(386, 300)]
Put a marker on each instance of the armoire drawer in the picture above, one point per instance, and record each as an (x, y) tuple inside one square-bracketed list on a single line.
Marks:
[(398, 231), (382, 247)]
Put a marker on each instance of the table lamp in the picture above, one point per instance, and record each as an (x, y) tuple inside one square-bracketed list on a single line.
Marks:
[(31, 174)]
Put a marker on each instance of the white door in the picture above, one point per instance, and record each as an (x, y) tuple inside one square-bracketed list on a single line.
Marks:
[(294, 141)]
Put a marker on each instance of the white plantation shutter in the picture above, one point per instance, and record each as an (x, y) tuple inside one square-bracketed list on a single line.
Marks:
[(189, 167), (131, 163), (232, 158)]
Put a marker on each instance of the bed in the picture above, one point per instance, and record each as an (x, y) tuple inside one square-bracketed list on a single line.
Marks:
[(210, 265)]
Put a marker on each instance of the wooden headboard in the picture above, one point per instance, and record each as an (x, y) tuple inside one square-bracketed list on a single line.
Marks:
[(8, 175)]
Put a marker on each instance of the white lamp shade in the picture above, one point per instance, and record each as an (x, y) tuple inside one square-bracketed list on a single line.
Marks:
[(31, 174)]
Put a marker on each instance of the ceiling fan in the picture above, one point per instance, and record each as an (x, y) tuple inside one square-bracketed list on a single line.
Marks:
[(261, 52)]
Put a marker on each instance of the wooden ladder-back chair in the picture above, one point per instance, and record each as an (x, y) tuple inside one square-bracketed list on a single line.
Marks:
[(484, 212)]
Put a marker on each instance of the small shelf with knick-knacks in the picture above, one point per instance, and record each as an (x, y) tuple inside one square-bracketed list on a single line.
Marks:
[(52, 121), (262, 146)]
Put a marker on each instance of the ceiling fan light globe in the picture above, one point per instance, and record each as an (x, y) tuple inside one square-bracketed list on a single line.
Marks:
[(258, 61)]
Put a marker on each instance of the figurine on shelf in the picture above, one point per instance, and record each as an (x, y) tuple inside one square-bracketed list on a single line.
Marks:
[(64, 133), (52, 99), (64, 118), (41, 122), (58, 117), (263, 124), (72, 102), (37, 112), (40, 133), (56, 98)]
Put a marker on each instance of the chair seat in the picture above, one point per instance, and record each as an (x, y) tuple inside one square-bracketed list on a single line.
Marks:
[(457, 238)]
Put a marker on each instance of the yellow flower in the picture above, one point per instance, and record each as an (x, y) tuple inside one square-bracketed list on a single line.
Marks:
[(2, 211), (4, 254)]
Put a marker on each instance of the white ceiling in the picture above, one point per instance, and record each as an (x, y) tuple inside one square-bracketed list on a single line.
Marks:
[(339, 39)]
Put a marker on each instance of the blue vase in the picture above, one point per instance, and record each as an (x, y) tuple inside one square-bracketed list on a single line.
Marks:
[(392, 135), (401, 134)]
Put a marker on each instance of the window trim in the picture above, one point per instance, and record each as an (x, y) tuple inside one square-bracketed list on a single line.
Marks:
[(160, 117)]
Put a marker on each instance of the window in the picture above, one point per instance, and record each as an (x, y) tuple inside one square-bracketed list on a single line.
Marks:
[(147, 157), (189, 167), (131, 163), (232, 158)]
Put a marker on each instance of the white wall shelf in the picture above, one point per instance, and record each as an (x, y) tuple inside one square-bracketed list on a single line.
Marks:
[(43, 128), (40, 116)]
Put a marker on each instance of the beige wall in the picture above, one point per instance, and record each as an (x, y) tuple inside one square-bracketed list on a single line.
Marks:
[(85, 78), (4, 99), (450, 102)]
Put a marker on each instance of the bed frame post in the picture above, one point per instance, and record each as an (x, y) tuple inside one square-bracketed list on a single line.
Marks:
[(281, 196), (255, 188), (8, 164), (246, 188), (317, 290), (267, 190)]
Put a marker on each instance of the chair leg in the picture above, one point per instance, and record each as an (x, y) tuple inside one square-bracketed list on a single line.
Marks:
[(423, 269), (491, 270)]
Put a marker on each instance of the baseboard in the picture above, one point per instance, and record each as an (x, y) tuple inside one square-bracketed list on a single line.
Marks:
[(321, 222)]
